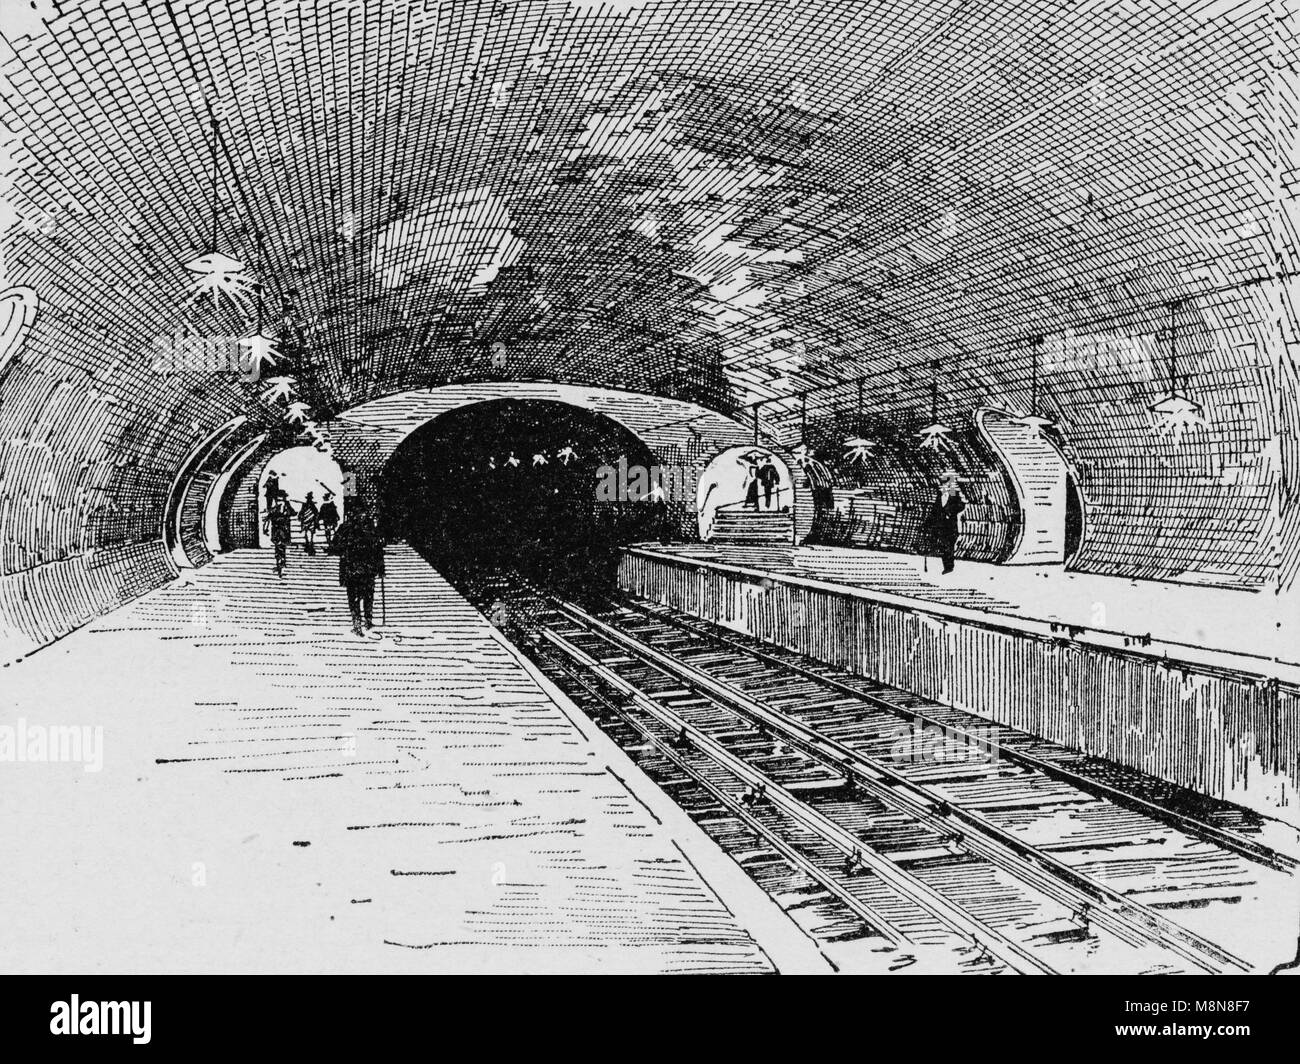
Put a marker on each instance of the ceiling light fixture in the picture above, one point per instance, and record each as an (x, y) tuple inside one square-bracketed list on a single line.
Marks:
[(263, 350), (856, 447), (935, 436), (219, 274), (1176, 414)]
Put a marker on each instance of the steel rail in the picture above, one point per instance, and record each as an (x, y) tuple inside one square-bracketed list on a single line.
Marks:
[(1248, 848), (902, 882), (1128, 920)]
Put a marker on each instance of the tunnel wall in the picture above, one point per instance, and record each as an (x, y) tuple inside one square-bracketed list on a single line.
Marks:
[(91, 440), (887, 507), (238, 508), (1231, 736), (1206, 508), (44, 602), (1216, 507)]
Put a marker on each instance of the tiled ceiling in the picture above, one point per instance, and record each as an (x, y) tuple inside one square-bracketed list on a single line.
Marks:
[(726, 201)]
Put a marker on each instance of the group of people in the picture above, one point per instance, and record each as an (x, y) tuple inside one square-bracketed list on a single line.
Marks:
[(761, 476), (356, 541), (311, 519)]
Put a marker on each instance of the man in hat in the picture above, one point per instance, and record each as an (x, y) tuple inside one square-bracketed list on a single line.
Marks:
[(309, 520), (272, 488), (361, 558), (770, 478), (329, 518), (279, 524), (942, 521)]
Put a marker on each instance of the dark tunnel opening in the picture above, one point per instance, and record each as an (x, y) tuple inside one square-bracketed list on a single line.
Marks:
[(501, 495)]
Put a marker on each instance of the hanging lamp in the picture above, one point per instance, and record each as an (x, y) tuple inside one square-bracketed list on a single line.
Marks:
[(858, 448), (217, 273), (262, 349), (1176, 414), (935, 436)]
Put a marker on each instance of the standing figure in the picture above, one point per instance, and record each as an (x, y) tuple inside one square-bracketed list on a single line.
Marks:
[(769, 478), (272, 489), (361, 559), (309, 519), (279, 523), (942, 522), (329, 518), (751, 485)]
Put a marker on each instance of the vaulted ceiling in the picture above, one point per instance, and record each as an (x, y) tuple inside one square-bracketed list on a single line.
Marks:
[(723, 201), (739, 200)]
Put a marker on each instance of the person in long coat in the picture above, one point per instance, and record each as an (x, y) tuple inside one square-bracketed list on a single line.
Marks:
[(361, 559), (309, 519), (272, 488), (279, 523), (770, 478), (942, 524), (329, 518), (751, 485)]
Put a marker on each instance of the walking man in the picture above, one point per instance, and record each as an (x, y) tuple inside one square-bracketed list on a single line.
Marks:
[(279, 523), (329, 518), (272, 489), (309, 519), (942, 522), (769, 477), (361, 559)]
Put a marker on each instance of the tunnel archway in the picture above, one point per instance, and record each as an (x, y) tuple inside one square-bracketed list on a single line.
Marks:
[(737, 502), (300, 471), (530, 487), (217, 507)]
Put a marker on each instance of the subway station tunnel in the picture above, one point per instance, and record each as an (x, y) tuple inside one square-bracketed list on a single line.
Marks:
[(669, 317)]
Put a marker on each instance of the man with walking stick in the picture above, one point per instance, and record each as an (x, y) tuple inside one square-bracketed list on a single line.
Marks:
[(361, 558)]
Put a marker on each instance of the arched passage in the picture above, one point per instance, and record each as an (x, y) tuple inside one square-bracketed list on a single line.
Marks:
[(681, 436), (215, 507), (746, 495), (1075, 517), (536, 487), (301, 472)]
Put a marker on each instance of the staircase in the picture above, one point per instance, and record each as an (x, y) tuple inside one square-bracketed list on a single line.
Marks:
[(749, 527), (1040, 477)]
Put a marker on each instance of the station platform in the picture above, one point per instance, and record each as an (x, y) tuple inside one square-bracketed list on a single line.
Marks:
[(1196, 685), (275, 794), (1257, 633)]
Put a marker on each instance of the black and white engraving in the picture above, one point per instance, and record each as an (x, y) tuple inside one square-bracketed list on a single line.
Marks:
[(649, 486)]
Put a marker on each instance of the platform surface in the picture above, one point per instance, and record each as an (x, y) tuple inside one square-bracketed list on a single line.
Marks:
[(279, 795), (1256, 633)]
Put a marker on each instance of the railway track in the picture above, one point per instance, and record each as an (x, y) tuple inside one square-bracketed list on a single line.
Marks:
[(797, 766)]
